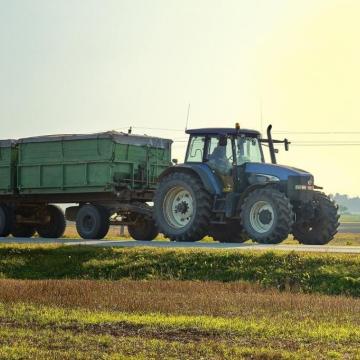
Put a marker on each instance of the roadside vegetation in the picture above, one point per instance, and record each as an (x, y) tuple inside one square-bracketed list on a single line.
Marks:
[(300, 272), (172, 320)]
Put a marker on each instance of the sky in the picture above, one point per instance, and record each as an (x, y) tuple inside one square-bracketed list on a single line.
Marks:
[(79, 66)]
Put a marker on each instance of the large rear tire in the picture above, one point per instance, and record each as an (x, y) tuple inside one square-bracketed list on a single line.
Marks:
[(322, 227), (182, 207), (144, 229), (229, 233), (92, 222), (56, 226), (267, 216)]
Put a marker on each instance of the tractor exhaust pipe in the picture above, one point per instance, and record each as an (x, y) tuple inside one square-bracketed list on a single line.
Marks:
[(271, 144)]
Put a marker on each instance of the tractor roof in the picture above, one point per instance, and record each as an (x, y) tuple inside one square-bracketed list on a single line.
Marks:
[(223, 131)]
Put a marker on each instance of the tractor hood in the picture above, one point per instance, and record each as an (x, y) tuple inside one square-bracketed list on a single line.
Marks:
[(279, 171)]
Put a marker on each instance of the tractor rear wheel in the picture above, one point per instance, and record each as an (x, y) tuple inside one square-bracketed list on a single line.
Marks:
[(56, 226), (144, 229), (267, 216), (182, 207), (322, 227), (92, 222), (229, 233)]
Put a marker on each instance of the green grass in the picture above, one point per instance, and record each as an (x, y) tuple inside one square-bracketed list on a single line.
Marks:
[(323, 273), (43, 332)]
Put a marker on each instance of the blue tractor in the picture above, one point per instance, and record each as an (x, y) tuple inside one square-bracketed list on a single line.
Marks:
[(226, 190)]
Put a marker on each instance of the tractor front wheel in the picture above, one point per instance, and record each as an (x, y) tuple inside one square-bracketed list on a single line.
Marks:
[(267, 216), (182, 207), (322, 227)]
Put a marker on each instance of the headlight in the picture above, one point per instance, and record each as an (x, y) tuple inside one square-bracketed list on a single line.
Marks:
[(262, 178)]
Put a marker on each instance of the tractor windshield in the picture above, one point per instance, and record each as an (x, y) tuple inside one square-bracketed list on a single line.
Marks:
[(248, 150)]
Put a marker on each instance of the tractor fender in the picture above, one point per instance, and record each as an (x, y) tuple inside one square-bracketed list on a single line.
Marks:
[(210, 181), (251, 188)]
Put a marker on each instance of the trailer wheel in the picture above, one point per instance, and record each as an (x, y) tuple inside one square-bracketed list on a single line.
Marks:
[(229, 233), (267, 216), (55, 228), (144, 229), (322, 227), (22, 230), (105, 221), (6, 220), (92, 222), (182, 207)]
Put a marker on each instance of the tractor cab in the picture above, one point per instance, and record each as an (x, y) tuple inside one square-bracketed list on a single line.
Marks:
[(223, 150)]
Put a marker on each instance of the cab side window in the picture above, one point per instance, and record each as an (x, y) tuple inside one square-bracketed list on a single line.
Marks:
[(196, 149), (220, 156)]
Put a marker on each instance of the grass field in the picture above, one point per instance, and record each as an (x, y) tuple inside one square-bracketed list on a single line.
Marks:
[(79, 302), (172, 320)]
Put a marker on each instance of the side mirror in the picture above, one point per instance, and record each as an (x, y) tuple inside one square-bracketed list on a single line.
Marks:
[(175, 161)]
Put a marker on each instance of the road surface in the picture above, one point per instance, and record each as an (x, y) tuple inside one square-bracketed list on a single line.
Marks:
[(197, 245)]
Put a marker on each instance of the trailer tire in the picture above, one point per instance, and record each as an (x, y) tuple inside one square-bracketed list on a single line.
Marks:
[(267, 216), (231, 232), (55, 228), (92, 222), (23, 230), (105, 226), (323, 226), (6, 221), (144, 229), (185, 194)]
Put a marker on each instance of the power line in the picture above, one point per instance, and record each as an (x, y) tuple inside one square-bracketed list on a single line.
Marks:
[(330, 144), (317, 132)]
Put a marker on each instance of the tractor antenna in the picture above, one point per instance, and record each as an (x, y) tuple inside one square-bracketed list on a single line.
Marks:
[(261, 115), (187, 117)]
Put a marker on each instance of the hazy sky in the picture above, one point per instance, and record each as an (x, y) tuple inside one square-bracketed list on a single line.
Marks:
[(95, 65)]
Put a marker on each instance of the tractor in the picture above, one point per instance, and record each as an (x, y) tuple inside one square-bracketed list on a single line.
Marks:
[(225, 189)]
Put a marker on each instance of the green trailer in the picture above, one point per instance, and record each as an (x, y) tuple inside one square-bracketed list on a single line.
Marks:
[(111, 176), (8, 154)]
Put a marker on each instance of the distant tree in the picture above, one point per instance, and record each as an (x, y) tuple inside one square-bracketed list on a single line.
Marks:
[(343, 209)]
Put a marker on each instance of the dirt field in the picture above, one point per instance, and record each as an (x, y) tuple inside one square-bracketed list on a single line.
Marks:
[(172, 320)]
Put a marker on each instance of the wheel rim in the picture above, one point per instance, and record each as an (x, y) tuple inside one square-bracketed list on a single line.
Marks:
[(178, 207), (88, 223), (262, 216)]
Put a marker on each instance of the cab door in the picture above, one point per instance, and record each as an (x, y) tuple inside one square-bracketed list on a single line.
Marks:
[(219, 156)]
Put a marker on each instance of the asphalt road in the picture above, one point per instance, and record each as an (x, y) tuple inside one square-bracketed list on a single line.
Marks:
[(199, 245), (344, 228)]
